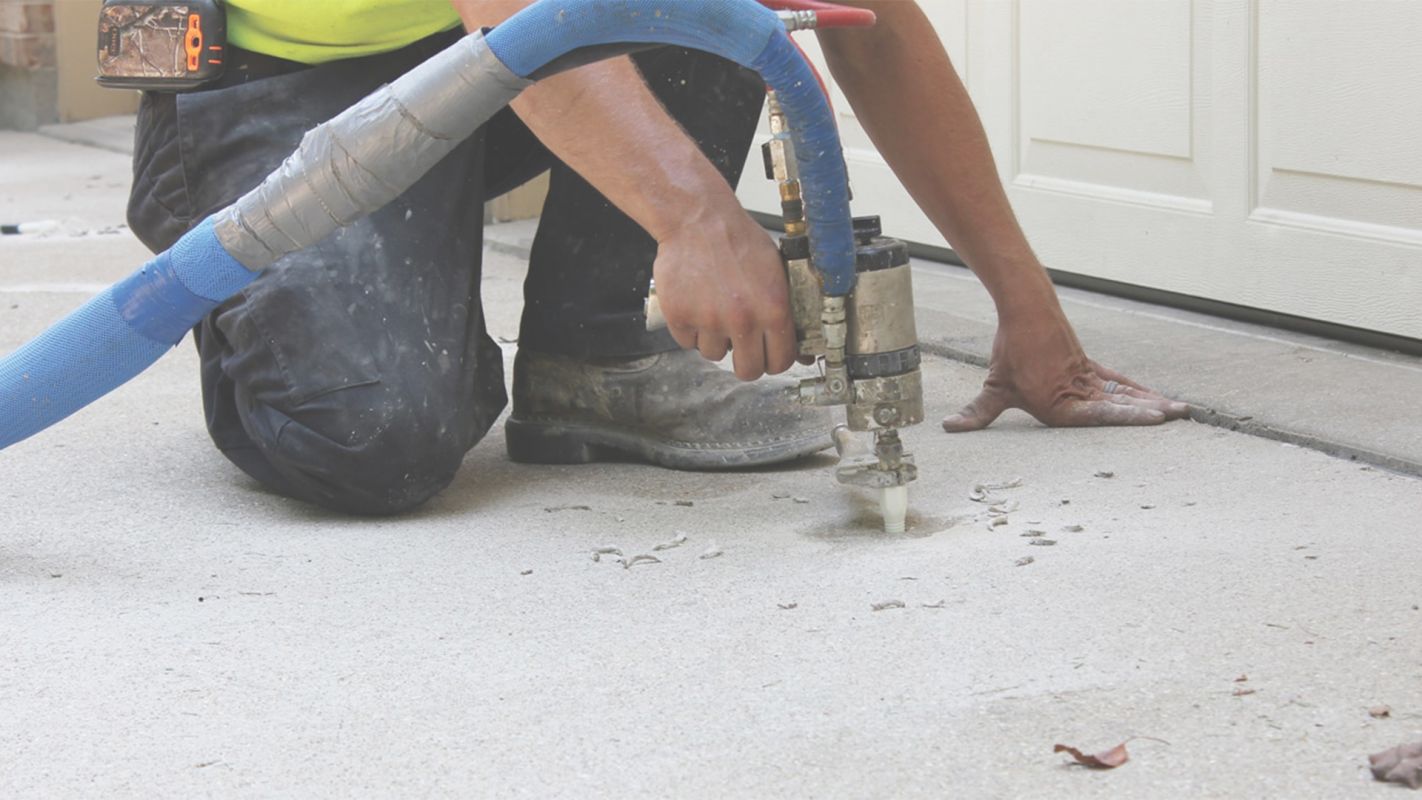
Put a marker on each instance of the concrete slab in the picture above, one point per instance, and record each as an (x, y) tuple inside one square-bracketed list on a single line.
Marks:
[(114, 134), (83, 189), (171, 629), (1346, 400)]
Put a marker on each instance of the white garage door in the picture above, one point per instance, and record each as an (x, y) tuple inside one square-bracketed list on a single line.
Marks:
[(1266, 153)]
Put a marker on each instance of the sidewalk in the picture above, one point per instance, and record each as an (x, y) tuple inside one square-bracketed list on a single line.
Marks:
[(171, 630)]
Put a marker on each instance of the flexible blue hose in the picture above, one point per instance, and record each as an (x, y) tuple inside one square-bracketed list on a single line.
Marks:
[(116, 335), (742, 31), (123, 330)]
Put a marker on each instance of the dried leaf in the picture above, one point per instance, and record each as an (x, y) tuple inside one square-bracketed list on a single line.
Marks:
[(888, 604), (788, 606), (1380, 712), (684, 503), (1107, 759), (1241, 679), (1105, 474), (1401, 764), (1024, 561), (1244, 692)]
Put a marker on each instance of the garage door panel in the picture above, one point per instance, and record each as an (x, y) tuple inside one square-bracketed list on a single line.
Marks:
[(1111, 74), (1340, 88), (1266, 153), (1107, 105), (1339, 139)]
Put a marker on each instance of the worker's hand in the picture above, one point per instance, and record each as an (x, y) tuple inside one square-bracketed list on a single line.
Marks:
[(722, 288), (1039, 366)]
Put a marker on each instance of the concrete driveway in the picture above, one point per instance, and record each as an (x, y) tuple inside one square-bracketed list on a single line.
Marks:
[(169, 629)]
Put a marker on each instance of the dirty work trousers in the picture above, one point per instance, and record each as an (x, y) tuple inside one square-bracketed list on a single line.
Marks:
[(356, 374)]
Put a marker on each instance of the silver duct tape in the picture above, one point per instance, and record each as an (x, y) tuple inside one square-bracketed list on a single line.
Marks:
[(369, 154)]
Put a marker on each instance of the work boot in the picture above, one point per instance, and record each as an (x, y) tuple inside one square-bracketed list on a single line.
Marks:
[(675, 409)]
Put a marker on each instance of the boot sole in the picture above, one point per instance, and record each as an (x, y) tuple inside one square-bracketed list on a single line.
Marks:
[(546, 442)]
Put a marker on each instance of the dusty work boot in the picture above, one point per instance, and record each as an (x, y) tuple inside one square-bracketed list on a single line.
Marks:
[(674, 409)]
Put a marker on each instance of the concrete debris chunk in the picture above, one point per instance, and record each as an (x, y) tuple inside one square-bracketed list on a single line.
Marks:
[(606, 550), (675, 541)]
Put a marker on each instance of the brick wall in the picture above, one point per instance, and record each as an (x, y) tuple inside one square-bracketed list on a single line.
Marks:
[(27, 34), (29, 74)]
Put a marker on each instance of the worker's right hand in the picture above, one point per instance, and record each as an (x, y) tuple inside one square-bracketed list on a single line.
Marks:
[(722, 288)]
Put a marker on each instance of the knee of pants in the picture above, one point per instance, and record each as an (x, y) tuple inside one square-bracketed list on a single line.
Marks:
[(371, 459)]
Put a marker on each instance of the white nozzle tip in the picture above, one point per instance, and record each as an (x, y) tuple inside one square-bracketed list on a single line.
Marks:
[(893, 501)]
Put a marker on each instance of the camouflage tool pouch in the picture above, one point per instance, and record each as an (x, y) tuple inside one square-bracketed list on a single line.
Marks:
[(161, 45)]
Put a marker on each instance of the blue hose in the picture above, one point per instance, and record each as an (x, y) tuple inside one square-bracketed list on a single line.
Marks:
[(123, 330), (116, 335)]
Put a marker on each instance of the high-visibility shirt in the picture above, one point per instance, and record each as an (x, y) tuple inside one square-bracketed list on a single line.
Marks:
[(317, 31)]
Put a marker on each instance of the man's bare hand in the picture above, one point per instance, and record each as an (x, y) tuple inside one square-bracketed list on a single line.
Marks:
[(1040, 367), (722, 289)]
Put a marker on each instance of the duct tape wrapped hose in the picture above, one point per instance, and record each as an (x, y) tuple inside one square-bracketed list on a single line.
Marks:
[(375, 150)]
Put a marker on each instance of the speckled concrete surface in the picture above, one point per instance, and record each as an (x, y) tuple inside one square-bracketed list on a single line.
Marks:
[(169, 629)]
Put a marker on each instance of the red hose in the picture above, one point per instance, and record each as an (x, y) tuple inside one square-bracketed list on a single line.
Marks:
[(828, 15)]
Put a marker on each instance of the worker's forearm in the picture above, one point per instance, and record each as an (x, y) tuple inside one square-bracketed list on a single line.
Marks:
[(909, 99), (605, 124)]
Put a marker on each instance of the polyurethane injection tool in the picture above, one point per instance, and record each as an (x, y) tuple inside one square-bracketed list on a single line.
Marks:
[(865, 342)]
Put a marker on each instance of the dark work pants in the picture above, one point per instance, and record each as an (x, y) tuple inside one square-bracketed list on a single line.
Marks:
[(357, 373)]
